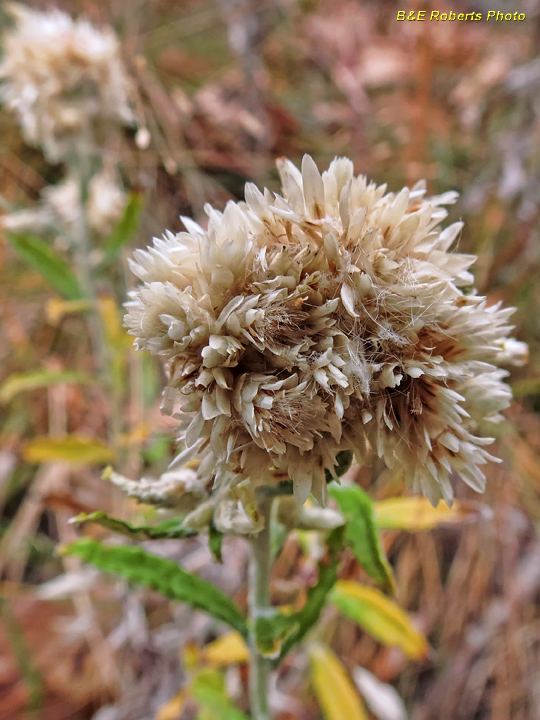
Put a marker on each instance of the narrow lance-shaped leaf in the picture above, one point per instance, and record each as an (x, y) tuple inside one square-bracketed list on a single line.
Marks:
[(215, 542), (41, 256), (335, 691), (380, 616), (163, 575), (169, 529), (362, 533), (305, 619), (126, 227), (71, 448)]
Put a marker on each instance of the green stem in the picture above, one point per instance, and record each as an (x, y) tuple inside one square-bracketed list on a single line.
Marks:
[(259, 603), (81, 167)]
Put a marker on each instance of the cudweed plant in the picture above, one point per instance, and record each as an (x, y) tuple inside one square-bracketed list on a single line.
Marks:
[(302, 332)]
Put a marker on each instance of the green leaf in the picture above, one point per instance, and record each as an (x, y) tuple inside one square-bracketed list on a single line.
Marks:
[(163, 575), (20, 382), (43, 257), (307, 617), (215, 541), (271, 630), (170, 529), (209, 690), (362, 533), (126, 227), (344, 461)]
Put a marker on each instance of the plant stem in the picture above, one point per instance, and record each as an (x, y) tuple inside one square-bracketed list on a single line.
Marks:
[(259, 601), (81, 167)]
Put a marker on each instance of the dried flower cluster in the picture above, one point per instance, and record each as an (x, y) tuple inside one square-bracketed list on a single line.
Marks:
[(60, 206), (64, 78), (333, 317)]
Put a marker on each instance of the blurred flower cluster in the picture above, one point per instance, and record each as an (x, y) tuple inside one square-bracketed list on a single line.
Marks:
[(66, 82), (64, 78)]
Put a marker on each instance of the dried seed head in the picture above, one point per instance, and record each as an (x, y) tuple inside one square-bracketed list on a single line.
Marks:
[(332, 317)]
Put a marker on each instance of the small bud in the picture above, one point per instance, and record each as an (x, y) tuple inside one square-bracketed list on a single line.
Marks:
[(178, 489), (143, 138)]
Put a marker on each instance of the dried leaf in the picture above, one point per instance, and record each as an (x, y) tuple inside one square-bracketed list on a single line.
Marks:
[(382, 699)]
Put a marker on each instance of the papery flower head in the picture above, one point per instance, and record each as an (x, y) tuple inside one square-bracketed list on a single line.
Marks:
[(106, 201), (63, 78), (331, 317), (60, 206)]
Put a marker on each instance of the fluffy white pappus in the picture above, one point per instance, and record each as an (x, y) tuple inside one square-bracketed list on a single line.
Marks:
[(332, 317)]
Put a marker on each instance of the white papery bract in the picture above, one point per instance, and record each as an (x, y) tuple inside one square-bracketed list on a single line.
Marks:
[(332, 317), (64, 79)]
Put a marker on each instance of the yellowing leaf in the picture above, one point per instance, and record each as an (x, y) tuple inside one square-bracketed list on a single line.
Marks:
[(70, 448), (20, 382), (117, 336), (209, 690), (137, 436), (335, 691), (56, 308), (191, 656), (415, 513), (228, 649), (380, 616), (172, 708), (118, 341)]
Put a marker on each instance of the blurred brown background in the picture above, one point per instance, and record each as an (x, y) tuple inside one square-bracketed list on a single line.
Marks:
[(224, 87)]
